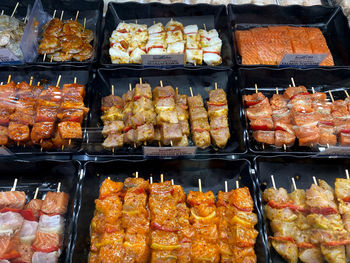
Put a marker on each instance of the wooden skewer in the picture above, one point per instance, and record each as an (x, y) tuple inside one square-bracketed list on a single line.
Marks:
[(25, 20), (154, 22), (256, 88), (161, 83), (313, 90), (327, 145), (276, 90), (346, 93), (161, 178), (130, 87), (62, 15), (176, 90), (9, 79), (109, 178), (2, 12), (36, 193), (284, 147), (59, 187), (38, 83), (273, 182), (140, 81), (135, 21), (112, 89), (69, 141), (62, 147), (75, 80), (331, 95), (51, 59), (226, 187), (58, 81), (41, 149), (191, 91), (294, 184), (1, 83), (347, 174), (84, 23), (113, 150), (315, 181), (14, 185), (205, 27), (76, 16), (17, 143), (172, 181), (54, 14), (216, 85), (151, 180), (31, 81), (293, 83), (237, 184), (41, 140), (171, 143), (200, 185), (14, 10), (159, 144), (137, 174)]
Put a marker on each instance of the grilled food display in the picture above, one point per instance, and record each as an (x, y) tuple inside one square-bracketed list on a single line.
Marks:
[(67, 40), (32, 232), (130, 41), (142, 222), (268, 45), (311, 224), (309, 117), (162, 117), (32, 115)]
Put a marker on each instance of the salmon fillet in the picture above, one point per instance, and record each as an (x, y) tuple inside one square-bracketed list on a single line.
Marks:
[(35, 206), (47, 242), (280, 41), (55, 203), (319, 45), (247, 47), (13, 199), (264, 44), (299, 40)]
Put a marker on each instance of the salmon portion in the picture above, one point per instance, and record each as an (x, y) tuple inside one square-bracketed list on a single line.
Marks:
[(267, 137), (26, 252), (12, 199), (268, 45), (344, 139), (55, 203), (8, 246), (47, 242), (35, 206)]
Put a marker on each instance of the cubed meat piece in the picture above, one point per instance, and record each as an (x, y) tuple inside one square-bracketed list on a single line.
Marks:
[(255, 112), (128, 96), (23, 86), (47, 103), (319, 96), (46, 114), (35, 206), (110, 101), (307, 135), (4, 116), (170, 132), (113, 127), (145, 133), (282, 115), (278, 102), (284, 127), (250, 100), (70, 130), (264, 124), (143, 117), (201, 139), (9, 244), (8, 102), (57, 140), (3, 135), (267, 137), (112, 114), (47, 242), (74, 105), (74, 99), (217, 110), (55, 203), (301, 119), (344, 139), (9, 87), (142, 90), (181, 99), (42, 130), (25, 95), (164, 104), (182, 113), (37, 91), (130, 137), (26, 252), (12, 199), (52, 93), (284, 138), (198, 113), (200, 124), (183, 142), (142, 104), (327, 138), (18, 132), (217, 96), (185, 127), (195, 101), (20, 117), (39, 257), (220, 136), (292, 91), (163, 92), (322, 107), (167, 116), (76, 115), (114, 140), (74, 89), (219, 122)]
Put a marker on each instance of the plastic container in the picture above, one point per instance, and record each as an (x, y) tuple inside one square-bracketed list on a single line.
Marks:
[(46, 175), (201, 82), (184, 172), (213, 16)]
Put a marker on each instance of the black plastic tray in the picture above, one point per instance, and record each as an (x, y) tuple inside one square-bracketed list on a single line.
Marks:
[(48, 76), (184, 172), (46, 175), (302, 169), (187, 14), (201, 80), (336, 80), (89, 9), (331, 21)]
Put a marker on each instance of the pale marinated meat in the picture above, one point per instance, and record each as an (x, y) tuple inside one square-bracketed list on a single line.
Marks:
[(55, 203), (267, 137), (284, 138), (265, 124), (292, 91), (70, 130)]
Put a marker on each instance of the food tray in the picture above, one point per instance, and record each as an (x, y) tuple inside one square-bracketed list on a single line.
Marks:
[(330, 20), (46, 175), (184, 172), (336, 80), (214, 16), (302, 169), (199, 79), (48, 76), (92, 10)]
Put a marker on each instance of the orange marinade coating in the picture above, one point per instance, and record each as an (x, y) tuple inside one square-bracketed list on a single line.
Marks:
[(109, 187)]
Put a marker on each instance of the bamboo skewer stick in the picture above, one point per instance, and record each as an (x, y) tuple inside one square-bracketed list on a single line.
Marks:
[(161, 178), (137, 174), (191, 91), (9, 79), (293, 83), (59, 187), (273, 182), (14, 10), (294, 184), (76, 16), (14, 185), (237, 184), (200, 185), (151, 180), (54, 14), (226, 187), (256, 88), (314, 179), (331, 95), (61, 15), (58, 81), (36, 193), (347, 174)]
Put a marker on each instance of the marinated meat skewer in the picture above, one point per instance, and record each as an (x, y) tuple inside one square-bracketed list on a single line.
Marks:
[(182, 115)]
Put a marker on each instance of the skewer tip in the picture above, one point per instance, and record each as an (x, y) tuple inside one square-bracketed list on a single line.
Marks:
[(237, 184), (273, 181), (200, 185), (347, 174), (294, 184), (315, 180), (59, 187), (36, 193), (226, 187), (161, 178), (137, 174), (14, 185)]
